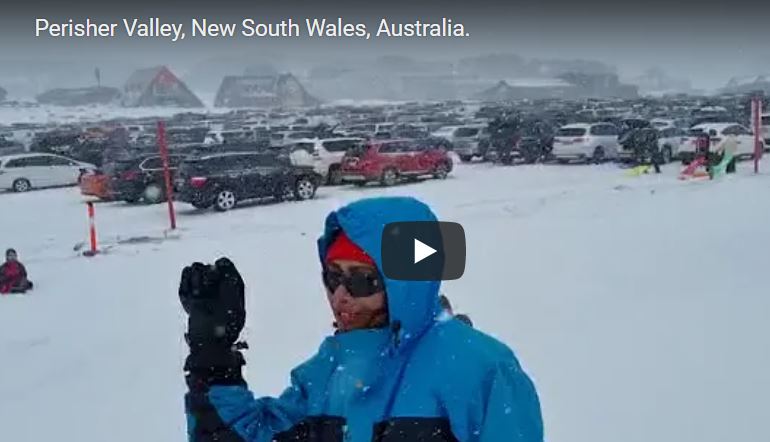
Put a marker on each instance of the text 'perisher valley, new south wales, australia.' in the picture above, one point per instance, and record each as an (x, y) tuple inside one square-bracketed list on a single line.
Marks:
[(158, 28)]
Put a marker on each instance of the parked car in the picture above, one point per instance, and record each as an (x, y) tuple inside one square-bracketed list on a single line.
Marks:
[(224, 180), (10, 147), (467, 141), (388, 161), (744, 139), (627, 125), (532, 141), (671, 141), (278, 139), (660, 123), (594, 142), (765, 129), (324, 156), (141, 178), (23, 172)]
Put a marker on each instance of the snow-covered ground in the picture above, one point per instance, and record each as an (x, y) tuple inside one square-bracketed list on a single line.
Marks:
[(34, 114), (639, 305)]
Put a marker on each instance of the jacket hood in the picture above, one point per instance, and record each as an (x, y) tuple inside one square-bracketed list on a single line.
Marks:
[(412, 305)]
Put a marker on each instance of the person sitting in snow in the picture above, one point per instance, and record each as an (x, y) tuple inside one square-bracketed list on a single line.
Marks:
[(447, 307), (13, 275), (391, 370)]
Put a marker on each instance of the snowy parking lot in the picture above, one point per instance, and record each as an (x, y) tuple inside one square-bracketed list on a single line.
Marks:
[(639, 306)]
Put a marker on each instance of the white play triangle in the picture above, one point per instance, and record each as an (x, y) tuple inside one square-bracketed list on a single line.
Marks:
[(422, 250)]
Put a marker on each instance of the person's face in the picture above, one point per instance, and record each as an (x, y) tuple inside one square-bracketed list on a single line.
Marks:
[(351, 313), (10, 257)]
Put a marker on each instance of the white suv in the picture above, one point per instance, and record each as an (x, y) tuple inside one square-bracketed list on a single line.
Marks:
[(671, 141), (325, 155), (26, 171), (586, 141), (744, 139), (465, 139)]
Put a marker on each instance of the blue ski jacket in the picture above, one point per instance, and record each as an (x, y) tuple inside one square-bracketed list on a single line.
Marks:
[(423, 378)]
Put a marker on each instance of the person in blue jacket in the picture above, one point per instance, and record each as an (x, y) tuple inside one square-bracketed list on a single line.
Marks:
[(395, 369)]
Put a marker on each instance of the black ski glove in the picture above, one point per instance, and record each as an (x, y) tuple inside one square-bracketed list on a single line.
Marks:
[(213, 297)]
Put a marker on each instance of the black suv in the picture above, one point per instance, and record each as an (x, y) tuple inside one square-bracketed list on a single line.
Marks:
[(527, 140), (141, 178), (222, 180)]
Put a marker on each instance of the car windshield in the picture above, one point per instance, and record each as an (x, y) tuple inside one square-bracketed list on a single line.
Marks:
[(214, 164), (232, 137), (571, 132), (123, 164), (301, 135), (308, 147), (464, 132), (358, 150)]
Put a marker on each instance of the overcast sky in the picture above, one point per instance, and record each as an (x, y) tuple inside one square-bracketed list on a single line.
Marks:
[(706, 42)]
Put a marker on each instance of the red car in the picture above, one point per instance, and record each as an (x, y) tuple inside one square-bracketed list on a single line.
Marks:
[(388, 161)]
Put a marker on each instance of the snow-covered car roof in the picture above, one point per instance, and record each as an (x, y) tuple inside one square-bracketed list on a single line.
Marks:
[(719, 127), (230, 154), (29, 155), (580, 125), (324, 140), (446, 128)]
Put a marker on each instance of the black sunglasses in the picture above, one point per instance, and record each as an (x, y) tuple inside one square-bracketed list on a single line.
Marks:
[(359, 283)]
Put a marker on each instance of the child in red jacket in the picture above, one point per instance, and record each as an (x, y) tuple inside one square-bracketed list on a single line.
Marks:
[(13, 275)]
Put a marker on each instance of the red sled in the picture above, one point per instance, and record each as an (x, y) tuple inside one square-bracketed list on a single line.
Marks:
[(689, 171)]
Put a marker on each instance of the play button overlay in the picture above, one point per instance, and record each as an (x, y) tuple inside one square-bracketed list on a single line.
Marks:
[(423, 251)]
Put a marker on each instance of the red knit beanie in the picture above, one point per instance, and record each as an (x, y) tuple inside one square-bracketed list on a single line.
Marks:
[(343, 248)]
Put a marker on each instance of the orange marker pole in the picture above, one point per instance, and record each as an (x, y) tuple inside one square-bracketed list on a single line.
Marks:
[(91, 229)]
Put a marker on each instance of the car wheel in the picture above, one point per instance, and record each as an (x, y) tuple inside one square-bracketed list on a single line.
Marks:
[(666, 155), (225, 200), (334, 177), (21, 185), (598, 156), (389, 177), (153, 194), (360, 183), (466, 158), (441, 171), (304, 189)]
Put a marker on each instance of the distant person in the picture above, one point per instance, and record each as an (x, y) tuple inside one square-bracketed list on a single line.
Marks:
[(462, 317), (649, 140), (446, 306), (644, 144), (13, 275), (703, 144), (392, 370)]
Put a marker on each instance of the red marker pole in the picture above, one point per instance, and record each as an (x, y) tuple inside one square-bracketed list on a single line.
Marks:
[(166, 173), (91, 229)]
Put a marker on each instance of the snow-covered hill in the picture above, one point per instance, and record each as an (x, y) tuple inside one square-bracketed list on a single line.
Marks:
[(638, 305)]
